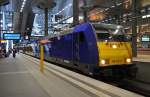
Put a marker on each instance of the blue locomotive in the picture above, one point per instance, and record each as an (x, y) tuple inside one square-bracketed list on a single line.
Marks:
[(93, 49)]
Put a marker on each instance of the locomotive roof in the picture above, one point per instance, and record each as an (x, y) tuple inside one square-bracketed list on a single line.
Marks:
[(95, 25), (109, 26), (61, 33)]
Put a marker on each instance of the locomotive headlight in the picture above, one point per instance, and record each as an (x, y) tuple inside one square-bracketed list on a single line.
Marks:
[(128, 60), (103, 62), (114, 46)]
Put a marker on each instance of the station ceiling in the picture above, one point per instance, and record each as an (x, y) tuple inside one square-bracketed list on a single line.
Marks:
[(23, 20), (15, 5)]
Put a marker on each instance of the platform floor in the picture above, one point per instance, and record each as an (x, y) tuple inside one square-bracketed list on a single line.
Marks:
[(18, 78), (142, 58), (21, 77)]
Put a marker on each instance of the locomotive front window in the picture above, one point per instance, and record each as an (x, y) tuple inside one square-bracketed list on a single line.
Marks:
[(111, 37), (110, 33), (119, 38), (103, 36)]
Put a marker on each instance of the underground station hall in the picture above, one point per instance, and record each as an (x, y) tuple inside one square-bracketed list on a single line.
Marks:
[(74, 48)]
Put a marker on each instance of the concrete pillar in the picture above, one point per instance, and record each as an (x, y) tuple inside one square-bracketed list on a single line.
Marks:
[(75, 12), (23, 21), (46, 21), (17, 18), (85, 12), (135, 8), (0, 28)]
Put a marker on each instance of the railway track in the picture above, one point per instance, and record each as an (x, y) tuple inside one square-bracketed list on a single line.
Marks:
[(136, 86)]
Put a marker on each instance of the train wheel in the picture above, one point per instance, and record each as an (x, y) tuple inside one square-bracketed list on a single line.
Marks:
[(118, 74), (132, 71)]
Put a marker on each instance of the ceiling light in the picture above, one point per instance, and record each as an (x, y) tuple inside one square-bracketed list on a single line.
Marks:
[(64, 8), (23, 4), (148, 15), (112, 6), (70, 4), (119, 4), (106, 9), (143, 17)]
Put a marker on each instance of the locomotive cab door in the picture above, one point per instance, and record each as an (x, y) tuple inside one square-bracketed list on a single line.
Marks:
[(75, 49), (78, 45), (80, 52)]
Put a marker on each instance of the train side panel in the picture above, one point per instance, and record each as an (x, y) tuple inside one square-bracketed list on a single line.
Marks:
[(92, 58), (64, 48), (78, 49), (60, 48)]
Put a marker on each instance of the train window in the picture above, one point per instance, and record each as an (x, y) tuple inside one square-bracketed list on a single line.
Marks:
[(120, 38), (103, 36), (111, 37)]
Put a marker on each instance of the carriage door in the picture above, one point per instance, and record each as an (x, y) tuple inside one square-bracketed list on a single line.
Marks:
[(76, 48)]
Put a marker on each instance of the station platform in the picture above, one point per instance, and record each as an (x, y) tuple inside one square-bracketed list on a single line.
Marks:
[(21, 77), (142, 58), (143, 51)]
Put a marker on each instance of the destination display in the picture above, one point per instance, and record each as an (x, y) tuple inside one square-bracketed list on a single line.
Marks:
[(11, 36)]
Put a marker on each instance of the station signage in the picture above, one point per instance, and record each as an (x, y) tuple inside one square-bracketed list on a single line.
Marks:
[(11, 36), (145, 38)]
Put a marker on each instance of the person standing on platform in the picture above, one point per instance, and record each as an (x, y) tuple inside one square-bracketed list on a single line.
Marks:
[(9, 51), (5, 53), (14, 52), (18, 50)]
